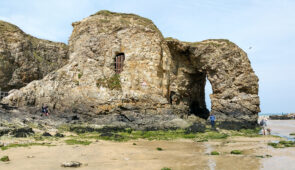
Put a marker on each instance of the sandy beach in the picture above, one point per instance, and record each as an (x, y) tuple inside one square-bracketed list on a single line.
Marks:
[(180, 154)]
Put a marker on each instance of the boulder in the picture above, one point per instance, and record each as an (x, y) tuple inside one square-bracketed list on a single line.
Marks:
[(46, 134), (71, 164), (22, 132)]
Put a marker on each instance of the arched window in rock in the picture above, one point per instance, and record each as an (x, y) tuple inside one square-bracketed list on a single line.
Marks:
[(119, 62)]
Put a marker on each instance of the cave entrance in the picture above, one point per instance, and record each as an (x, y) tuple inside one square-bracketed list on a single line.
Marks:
[(197, 98)]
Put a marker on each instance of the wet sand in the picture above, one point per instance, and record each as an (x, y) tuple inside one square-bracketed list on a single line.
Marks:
[(283, 158), (179, 154)]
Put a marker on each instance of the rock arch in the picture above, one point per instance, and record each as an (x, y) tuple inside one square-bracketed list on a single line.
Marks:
[(235, 86)]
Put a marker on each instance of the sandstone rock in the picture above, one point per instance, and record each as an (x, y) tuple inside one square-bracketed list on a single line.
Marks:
[(22, 132), (161, 80), (289, 116), (227, 67), (83, 85), (4, 131), (46, 134), (195, 128), (24, 58), (59, 135)]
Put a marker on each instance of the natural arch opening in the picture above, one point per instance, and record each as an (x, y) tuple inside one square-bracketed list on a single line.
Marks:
[(208, 91), (188, 90), (197, 103)]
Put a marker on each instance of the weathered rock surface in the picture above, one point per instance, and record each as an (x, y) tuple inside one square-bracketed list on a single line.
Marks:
[(24, 58), (85, 83), (162, 81), (235, 98), (14, 119)]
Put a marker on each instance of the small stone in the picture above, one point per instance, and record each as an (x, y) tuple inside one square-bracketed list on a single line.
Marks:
[(71, 164), (46, 134), (59, 135), (30, 156)]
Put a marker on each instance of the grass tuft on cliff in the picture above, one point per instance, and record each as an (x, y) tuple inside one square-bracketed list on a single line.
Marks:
[(112, 83), (128, 19)]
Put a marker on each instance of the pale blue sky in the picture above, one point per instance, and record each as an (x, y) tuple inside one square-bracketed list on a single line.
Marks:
[(268, 26)]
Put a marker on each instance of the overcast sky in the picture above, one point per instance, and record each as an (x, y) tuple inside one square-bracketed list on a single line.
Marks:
[(268, 26)]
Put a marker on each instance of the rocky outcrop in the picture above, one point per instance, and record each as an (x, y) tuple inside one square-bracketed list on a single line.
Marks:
[(122, 72), (290, 116), (235, 98), (89, 84), (24, 58)]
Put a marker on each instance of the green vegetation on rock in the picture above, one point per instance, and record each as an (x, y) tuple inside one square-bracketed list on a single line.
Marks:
[(236, 152), (141, 20), (80, 75), (4, 159), (263, 156), (214, 153), (282, 144), (77, 142), (125, 134), (159, 149), (14, 145), (111, 83), (292, 134), (165, 168)]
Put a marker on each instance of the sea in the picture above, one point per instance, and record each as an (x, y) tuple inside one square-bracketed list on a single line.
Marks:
[(269, 114)]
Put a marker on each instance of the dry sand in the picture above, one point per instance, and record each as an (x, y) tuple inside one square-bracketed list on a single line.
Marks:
[(178, 154)]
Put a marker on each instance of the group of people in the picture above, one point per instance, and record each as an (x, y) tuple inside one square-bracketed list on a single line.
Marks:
[(44, 110)]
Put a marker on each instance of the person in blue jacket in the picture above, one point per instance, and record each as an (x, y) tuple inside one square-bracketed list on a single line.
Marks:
[(212, 120)]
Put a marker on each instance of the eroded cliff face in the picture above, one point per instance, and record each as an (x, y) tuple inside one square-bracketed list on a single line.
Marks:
[(89, 84), (235, 98), (160, 83), (24, 58)]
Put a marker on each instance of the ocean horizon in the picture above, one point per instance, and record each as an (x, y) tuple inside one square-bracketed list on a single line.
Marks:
[(268, 114)]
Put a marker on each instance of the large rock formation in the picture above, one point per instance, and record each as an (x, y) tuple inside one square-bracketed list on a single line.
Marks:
[(24, 58), (235, 98), (161, 80), (89, 81)]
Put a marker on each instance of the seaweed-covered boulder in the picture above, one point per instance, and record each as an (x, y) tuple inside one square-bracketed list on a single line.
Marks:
[(22, 132)]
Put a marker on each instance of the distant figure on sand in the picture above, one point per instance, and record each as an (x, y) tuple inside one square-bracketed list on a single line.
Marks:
[(264, 125), (212, 120)]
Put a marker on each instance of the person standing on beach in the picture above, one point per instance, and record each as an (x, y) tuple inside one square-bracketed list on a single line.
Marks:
[(263, 125), (212, 120)]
